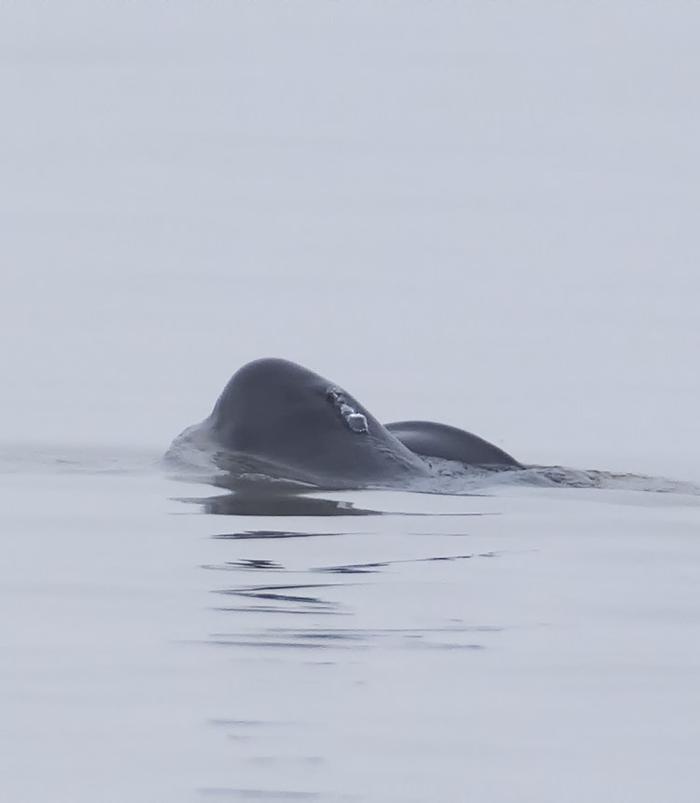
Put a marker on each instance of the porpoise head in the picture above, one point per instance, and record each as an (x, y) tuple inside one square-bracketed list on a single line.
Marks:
[(290, 417)]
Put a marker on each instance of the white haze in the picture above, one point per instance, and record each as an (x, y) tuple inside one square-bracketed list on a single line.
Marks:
[(482, 213)]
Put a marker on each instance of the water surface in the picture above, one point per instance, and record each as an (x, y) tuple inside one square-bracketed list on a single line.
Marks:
[(502, 642)]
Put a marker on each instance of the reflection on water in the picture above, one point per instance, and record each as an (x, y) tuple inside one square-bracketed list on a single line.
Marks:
[(247, 497), (263, 564), (282, 598), (369, 568), (267, 501), (385, 598), (313, 598), (264, 535), (349, 568), (277, 504), (406, 616), (456, 637), (275, 648), (401, 593)]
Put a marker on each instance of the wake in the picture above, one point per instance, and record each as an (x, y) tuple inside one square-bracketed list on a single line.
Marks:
[(225, 470), (457, 479)]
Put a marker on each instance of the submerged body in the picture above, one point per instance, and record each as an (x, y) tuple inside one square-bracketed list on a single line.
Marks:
[(281, 420)]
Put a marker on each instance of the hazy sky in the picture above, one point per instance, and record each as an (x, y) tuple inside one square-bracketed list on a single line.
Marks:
[(483, 213)]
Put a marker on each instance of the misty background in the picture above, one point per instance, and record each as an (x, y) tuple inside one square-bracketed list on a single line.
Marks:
[(478, 213)]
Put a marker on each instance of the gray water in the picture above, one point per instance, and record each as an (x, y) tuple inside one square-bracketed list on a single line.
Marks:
[(475, 213), (390, 646)]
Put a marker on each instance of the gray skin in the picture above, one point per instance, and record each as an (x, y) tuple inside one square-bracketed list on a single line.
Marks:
[(275, 417), (441, 440)]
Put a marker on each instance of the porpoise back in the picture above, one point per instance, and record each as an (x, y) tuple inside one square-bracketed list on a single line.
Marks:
[(450, 443)]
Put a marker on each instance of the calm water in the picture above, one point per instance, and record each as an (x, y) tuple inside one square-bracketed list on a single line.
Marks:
[(477, 213), (493, 646)]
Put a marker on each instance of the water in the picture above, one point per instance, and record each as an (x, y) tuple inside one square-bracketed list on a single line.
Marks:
[(500, 643), (467, 213)]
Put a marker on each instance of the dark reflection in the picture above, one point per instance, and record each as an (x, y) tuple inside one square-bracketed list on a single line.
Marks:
[(368, 568), (247, 563), (353, 568), (264, 535), (345, 568), (277, 504), (438, 638), (258, 496), (249, 496), (276, 596), (258, 643), (273, 608), (290, 503)]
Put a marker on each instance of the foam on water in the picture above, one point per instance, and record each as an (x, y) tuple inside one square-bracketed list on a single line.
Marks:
[(200, 462)]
